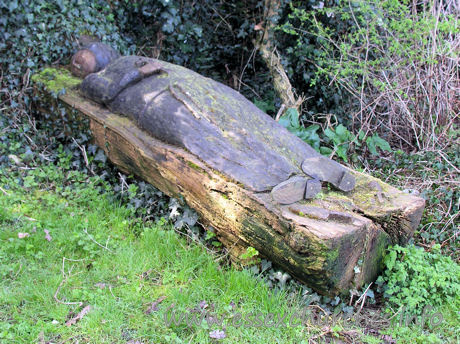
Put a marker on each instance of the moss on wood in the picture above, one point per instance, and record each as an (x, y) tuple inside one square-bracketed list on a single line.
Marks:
[(56, 80)]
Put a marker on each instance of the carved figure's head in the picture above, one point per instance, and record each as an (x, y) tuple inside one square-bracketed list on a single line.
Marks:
[(92, 58), (83, 63)]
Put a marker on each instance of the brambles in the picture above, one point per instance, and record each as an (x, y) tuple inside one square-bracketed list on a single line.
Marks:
[(397, 60)]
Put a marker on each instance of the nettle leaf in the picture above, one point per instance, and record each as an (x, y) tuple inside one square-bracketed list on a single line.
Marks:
[(285, 121), (371, 146), (381, 143), (290, 120), (375, 141), (293, 116), (325, 150), (265, 106), (311, 136), (330, 134), (342, 132), (342, 152)]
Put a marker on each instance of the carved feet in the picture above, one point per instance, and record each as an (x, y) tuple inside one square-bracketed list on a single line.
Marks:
[(319, 169), (328, 170)]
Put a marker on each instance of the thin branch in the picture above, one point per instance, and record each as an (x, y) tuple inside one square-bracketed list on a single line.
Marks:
[(93, 240)]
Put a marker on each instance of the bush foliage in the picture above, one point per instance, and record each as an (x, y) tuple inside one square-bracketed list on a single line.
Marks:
[(415, 278), (397, 62)]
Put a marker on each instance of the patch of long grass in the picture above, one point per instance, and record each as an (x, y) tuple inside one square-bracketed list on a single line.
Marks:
[(94, 259)]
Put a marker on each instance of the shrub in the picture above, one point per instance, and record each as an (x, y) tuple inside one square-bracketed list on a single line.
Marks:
[(213, 38), (397, 60), (34, 34), (415, 278), (338, 140)]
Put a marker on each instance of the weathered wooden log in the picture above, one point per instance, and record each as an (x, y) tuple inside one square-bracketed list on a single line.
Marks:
[(333, 242)]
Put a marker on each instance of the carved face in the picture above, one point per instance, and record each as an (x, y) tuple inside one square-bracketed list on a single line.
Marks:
[(83, 63)]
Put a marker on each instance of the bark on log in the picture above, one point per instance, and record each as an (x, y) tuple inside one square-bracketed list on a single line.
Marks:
[(319, 241)]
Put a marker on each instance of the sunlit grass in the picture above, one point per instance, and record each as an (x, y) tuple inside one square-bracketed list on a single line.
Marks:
[(100, 255), (119, 280)]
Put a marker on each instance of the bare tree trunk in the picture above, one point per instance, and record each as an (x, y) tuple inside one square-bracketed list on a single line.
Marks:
[(267, 48)]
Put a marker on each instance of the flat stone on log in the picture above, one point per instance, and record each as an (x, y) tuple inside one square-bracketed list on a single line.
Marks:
[(313, 188)]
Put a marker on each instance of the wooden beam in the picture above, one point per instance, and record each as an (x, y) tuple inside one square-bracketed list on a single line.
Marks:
[(333, 242)]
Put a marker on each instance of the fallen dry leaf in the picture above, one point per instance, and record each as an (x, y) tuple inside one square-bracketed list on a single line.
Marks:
[(258, 27), (154, 305), (203, 304), (41, 338), (217, 334), (388, 339), (23, 235), (79, 316)]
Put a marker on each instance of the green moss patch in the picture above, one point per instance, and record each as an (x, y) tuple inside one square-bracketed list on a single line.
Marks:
[(56, 80)]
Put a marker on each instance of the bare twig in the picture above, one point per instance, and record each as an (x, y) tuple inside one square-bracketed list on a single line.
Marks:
[(98, 244), (83, 150), (280, 112), (4, 192), (362, 298), (64, 281)]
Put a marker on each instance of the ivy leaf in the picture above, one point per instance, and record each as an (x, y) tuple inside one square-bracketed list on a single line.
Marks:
[(13, 5)]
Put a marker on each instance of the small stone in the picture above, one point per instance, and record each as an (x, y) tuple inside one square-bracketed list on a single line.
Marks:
[(412, 192)]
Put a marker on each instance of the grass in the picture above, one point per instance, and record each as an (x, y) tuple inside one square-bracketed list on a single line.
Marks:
[(95, 258), (134, 277)]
